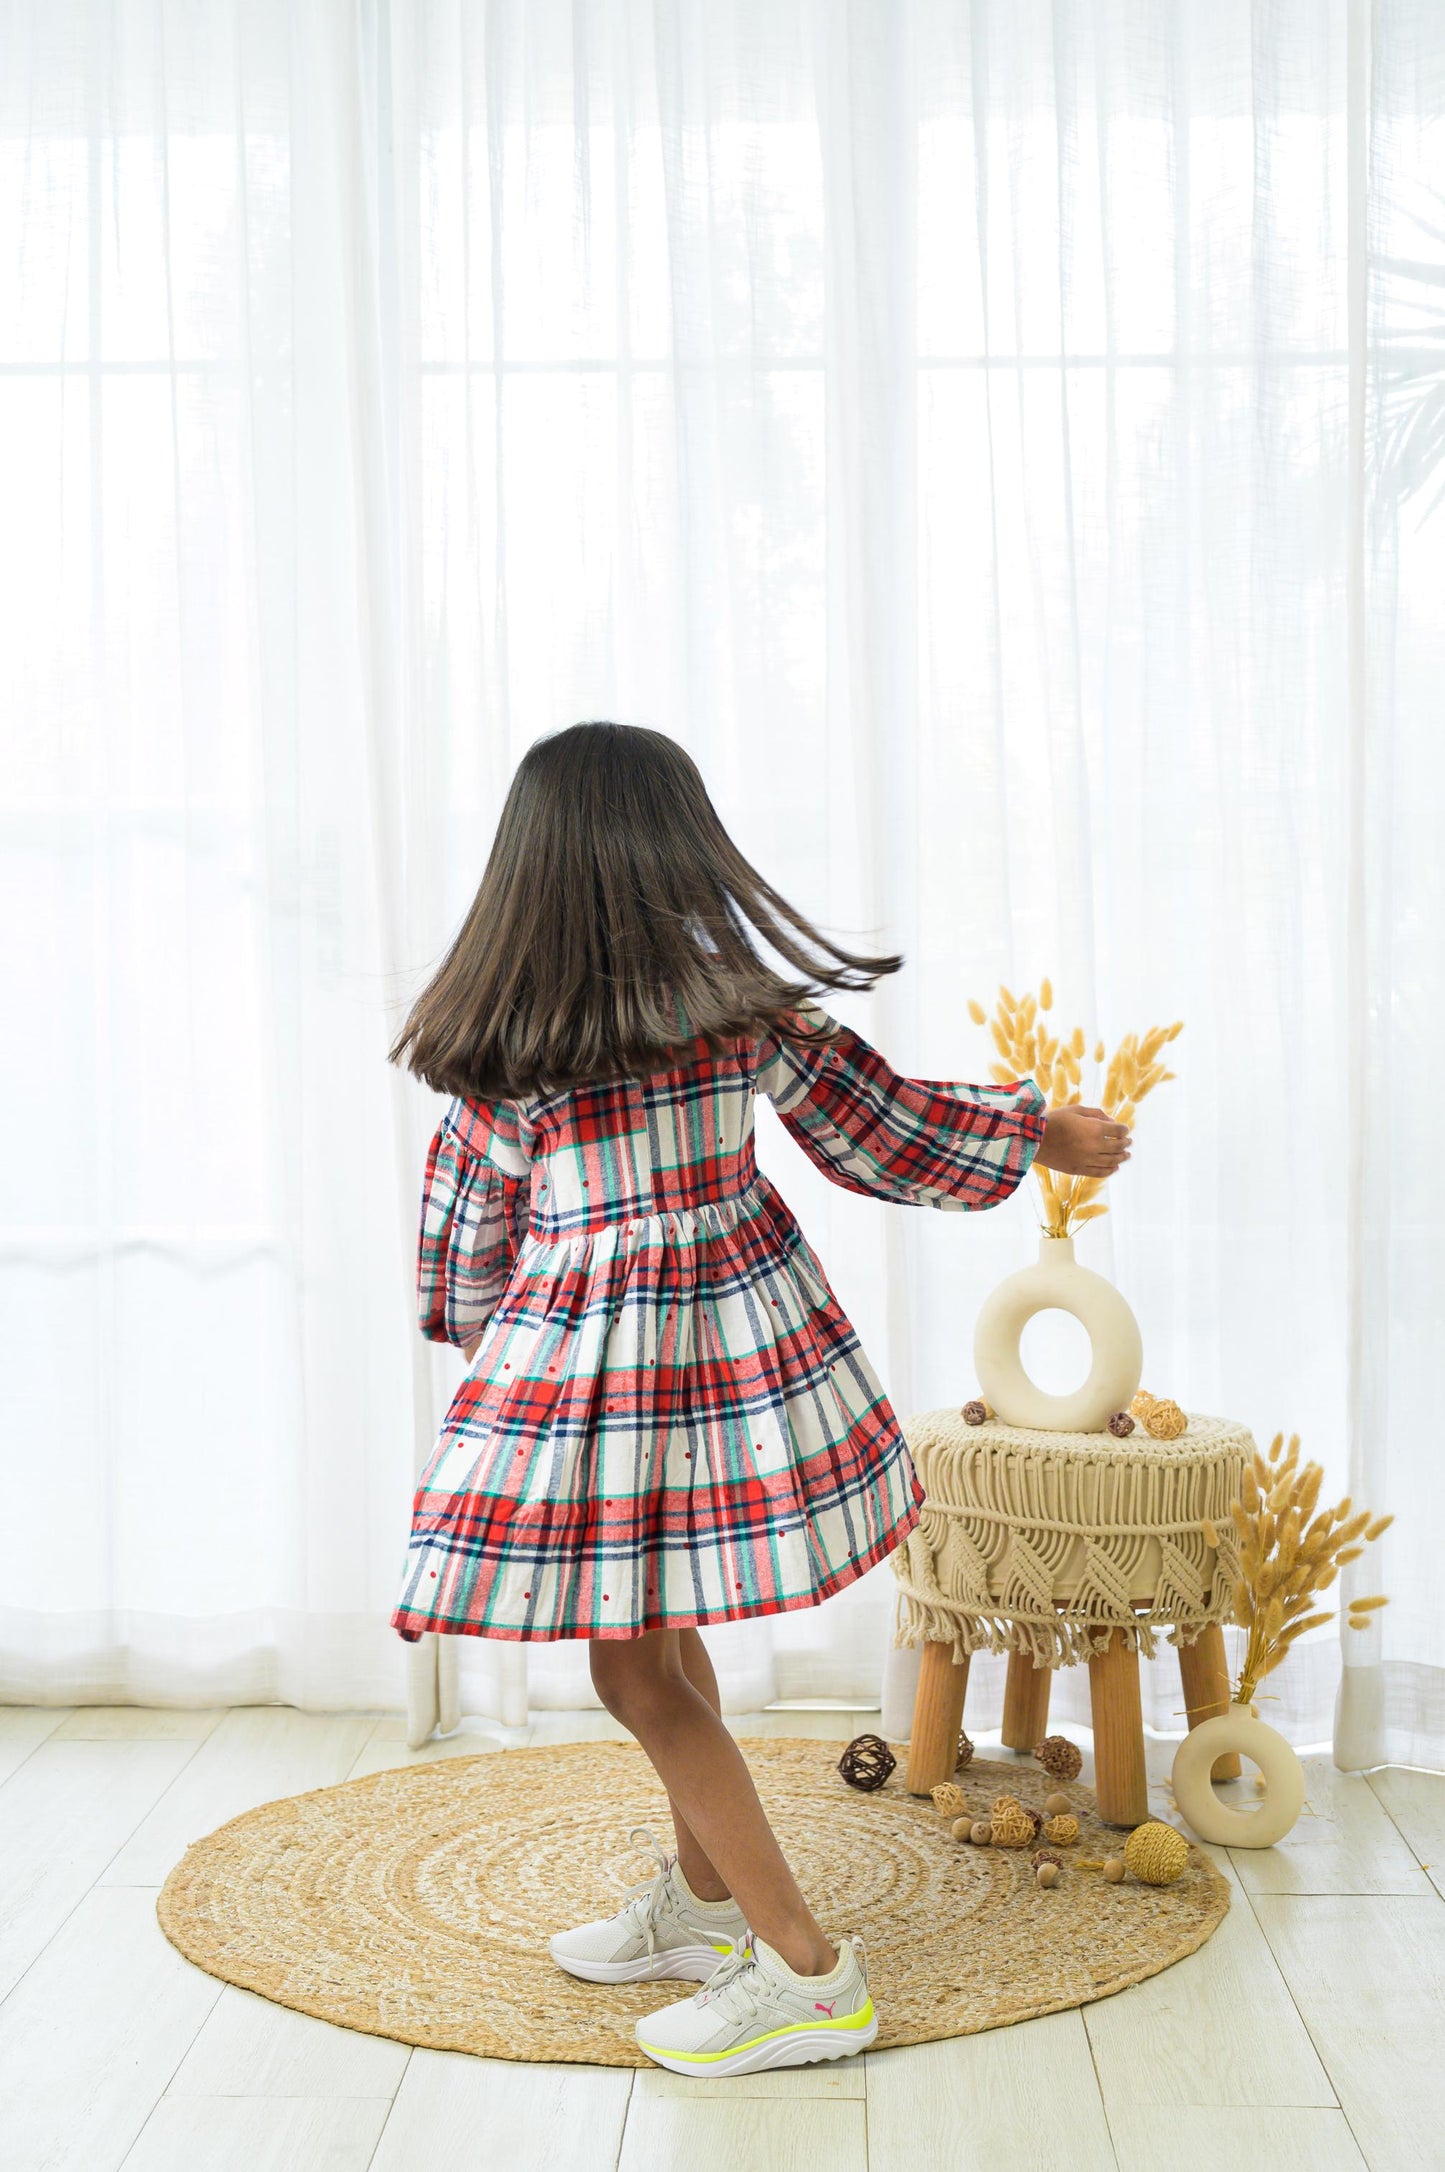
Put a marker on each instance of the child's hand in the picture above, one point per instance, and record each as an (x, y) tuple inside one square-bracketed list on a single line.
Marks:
[(1083, 1142)]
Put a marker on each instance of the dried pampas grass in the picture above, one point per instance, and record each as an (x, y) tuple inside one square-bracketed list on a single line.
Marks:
[(1027, 1049), (1290, 1551)]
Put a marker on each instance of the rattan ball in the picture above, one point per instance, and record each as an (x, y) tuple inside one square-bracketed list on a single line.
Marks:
[(1142, 1404), (980, 1832), (965, 1753), (975, 1413), (867, 1762), (1056, 1803), (1062, 1759), (1046, 1855), (1012, 1829), (1121, 1425), (1156, 1853), (1166, 1421), (1047, 1874), (1063, 1830), (949, 1801)]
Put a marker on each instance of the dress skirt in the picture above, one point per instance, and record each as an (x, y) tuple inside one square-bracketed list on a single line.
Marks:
[(669, 1421)]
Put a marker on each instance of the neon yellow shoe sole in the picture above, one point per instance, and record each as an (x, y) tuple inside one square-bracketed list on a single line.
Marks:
[(801, 2043)]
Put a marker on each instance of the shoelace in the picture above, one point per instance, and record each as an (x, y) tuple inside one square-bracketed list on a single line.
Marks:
[(725, 1986), (646, 1897)]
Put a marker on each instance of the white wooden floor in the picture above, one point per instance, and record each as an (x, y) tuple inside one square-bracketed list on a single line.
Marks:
[(1305, 2037)]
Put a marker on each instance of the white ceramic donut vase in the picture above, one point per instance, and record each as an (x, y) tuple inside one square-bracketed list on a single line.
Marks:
[(1058, 1282), (1281, 1771)]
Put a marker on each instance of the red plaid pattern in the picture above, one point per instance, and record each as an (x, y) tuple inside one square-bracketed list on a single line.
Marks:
[(669, 1419)]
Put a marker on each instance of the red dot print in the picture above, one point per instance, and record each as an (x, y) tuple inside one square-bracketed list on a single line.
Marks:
[(607, 1594), (433, 1572), (526, 1594)]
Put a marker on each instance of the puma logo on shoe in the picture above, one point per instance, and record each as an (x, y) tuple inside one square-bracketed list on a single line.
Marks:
[(828, 2009)]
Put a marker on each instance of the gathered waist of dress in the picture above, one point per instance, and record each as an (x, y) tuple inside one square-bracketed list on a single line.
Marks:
[(650, 1224)]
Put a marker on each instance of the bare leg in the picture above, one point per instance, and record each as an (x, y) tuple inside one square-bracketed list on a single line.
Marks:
[(699, 1871), (643, 1684)]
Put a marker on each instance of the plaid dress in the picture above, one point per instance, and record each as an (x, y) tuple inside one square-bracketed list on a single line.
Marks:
[(669, 1419)]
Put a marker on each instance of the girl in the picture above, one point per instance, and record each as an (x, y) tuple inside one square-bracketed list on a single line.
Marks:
[(667, 1418)]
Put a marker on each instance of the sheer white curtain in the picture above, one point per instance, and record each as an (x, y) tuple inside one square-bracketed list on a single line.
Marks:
[(998, 441)]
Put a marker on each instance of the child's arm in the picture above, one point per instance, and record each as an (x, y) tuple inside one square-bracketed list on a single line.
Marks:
[(923, 1142), (475, 1182)]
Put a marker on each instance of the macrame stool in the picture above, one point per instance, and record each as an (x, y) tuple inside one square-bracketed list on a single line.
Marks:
[(1058, 1548)]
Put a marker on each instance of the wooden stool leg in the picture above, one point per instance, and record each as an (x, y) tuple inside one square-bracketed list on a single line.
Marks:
[(1121, 1783), (1204, 1672), (937, 1717), (1025, 1702)]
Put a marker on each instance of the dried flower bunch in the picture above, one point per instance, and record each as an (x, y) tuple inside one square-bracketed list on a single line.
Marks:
[(1028, 1050), (1289, 1552)]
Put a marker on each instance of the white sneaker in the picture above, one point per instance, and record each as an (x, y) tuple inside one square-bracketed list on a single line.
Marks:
[(662, 1930), (756, 2013)]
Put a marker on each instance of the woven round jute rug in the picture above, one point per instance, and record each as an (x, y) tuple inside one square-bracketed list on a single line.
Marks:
[(417, 1903)]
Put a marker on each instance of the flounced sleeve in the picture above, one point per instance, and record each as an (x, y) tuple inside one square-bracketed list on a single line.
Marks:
[(475, 1202), (921, 1142)]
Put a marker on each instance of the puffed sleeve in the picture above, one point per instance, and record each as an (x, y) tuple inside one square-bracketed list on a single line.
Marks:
[(922, 1142), (473, 1213)]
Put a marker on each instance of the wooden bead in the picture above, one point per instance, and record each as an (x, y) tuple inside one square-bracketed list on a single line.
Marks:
[(962, 1828), (1113, 1869), (1047, 1874), (980, 1832), (1056, 1805)]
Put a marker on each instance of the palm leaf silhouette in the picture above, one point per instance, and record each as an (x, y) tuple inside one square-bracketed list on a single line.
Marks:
[(1411, 372)]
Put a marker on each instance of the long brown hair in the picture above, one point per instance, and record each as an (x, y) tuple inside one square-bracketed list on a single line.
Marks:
[(612, 927)]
